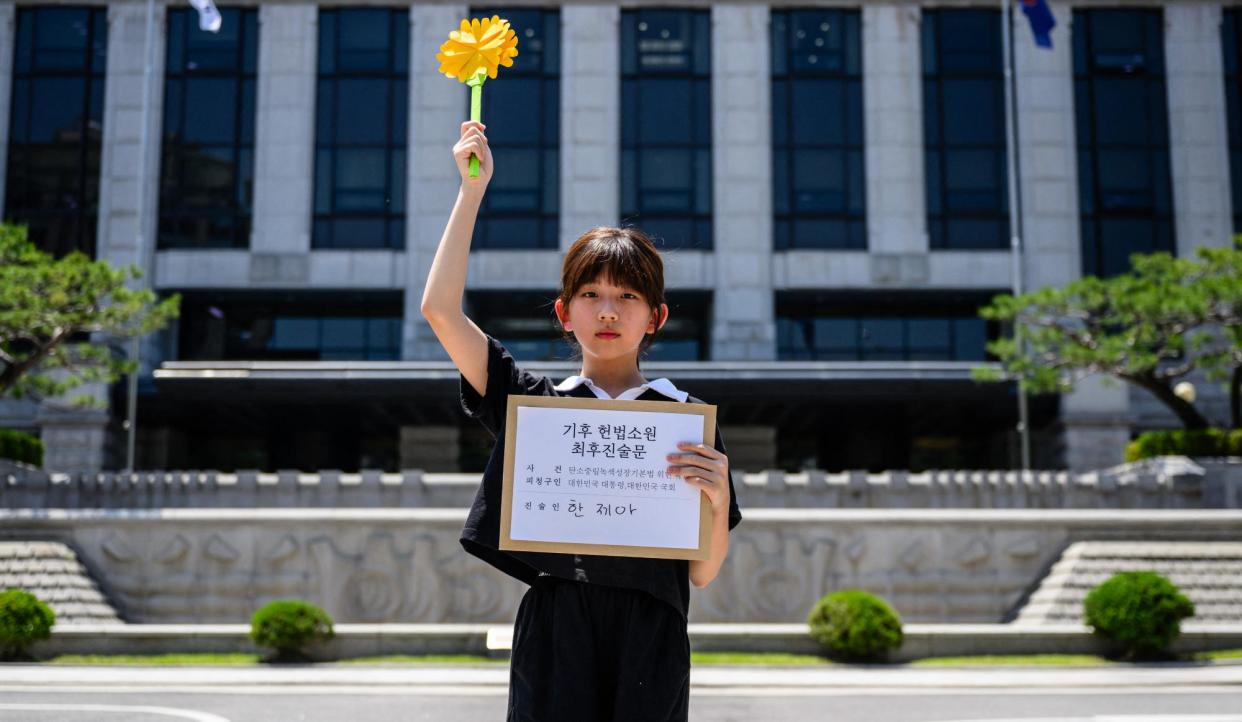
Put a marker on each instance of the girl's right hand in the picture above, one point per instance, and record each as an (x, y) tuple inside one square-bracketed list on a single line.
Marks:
[(473, 141)]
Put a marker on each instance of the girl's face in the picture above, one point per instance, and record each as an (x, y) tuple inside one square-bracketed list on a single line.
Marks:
[(609, 321)]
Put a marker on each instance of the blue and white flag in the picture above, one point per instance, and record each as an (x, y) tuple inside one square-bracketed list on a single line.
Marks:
[(208, 15), (1042, 22)]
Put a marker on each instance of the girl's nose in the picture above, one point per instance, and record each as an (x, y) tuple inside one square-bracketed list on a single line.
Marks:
[(607, 313)]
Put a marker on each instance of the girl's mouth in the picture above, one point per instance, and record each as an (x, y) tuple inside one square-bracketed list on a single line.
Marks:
[(607, 335)]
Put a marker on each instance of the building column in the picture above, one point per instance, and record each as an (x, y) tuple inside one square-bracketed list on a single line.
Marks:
[(124, 238), (285, 141), (743, 321), (437, 109), (1094, 417), (1198, 138), (893, 132), (1047, 155), (8, 21), (590, 119)]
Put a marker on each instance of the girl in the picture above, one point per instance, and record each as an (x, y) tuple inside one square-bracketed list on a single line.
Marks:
[(596, 638)]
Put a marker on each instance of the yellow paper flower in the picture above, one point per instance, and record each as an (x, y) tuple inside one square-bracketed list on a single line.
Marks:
[(479, 45)]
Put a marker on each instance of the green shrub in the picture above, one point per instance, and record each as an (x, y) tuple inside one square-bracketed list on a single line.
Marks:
[(1140, 613), (24, 619), (1185, 442), (855, 625), (288, 625), (21, 447)]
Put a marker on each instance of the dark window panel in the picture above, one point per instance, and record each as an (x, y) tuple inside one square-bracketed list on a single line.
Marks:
[(56, 119), (1231, 31), (964, 130), (360, 158), (819, 192), (666, 167), (1123, 145), (207, 154)]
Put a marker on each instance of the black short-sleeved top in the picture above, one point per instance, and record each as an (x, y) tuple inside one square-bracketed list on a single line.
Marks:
[(666, 579)]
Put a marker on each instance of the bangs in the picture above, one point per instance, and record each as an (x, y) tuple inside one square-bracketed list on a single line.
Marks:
[(618, 258)]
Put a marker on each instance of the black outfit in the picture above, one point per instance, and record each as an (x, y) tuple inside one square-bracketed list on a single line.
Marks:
[(594, 634)]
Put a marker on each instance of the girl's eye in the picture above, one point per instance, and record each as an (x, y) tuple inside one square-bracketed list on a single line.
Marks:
[(588, 294), (629, 295)]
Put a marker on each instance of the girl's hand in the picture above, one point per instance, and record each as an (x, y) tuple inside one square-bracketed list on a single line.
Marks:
[(473, 142), (702, 466)]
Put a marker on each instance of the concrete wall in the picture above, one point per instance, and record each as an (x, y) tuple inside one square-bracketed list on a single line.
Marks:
[(406, 565)]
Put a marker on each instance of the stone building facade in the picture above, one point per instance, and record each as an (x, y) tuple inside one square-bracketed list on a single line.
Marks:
[(832, 320)]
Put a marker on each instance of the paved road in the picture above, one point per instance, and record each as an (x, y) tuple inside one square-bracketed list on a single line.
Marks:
[(326, 693)]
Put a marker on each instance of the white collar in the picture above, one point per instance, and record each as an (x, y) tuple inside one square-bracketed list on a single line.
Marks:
[(660, 385)]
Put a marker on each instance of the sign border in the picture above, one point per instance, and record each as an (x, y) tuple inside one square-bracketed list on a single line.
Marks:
[(707, 411)]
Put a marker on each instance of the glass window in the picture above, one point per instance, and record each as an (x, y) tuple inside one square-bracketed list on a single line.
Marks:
[(56, 125), (666, 171), (1231, 43), (207, 166), (904, 326), (353, 326), (360, 129), (964, 130), (1123, 139), (819, 185), (522, 205)]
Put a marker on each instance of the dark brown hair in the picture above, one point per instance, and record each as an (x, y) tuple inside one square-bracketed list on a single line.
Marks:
[(623, 256)]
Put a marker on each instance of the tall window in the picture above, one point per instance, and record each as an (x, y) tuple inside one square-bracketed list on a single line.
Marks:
[(1123, 137), (522, 204), (964, 129), (318, 326), (360, 134), (207, 171), (1231, 42), (666, 125), (819, 185), (894, 327), (56, 125)]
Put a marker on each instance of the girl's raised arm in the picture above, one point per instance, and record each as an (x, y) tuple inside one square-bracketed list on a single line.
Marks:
[(446, 283)]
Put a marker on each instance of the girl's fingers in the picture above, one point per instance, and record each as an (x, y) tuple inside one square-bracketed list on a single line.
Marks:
[(692, 460), (703, 449)]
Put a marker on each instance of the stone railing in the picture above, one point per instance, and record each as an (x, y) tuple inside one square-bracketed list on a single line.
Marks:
[(1165, 483)]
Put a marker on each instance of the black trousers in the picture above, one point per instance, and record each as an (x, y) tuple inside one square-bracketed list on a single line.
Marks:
[(586, 652)]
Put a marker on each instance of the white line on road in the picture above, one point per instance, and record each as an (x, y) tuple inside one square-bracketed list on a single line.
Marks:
[(1122, 718), (166, 711)]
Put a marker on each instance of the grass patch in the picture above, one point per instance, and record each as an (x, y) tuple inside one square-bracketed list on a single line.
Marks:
[(158, 660), (990, 660), (758, 659), (426, 659), (1219, 655)]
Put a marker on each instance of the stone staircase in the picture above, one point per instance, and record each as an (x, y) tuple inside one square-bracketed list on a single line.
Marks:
[(1210, 573), (51, 571)]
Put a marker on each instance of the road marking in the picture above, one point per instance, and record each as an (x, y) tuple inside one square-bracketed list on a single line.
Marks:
[(1120, 718), (166, 711)]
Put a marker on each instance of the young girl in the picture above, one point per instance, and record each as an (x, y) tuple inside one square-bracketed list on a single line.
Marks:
[(596, 638)]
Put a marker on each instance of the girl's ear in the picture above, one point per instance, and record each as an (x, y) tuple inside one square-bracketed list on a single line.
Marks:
[(659, 317), (562, 314)]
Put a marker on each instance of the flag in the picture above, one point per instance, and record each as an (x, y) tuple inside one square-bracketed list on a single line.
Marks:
[(208, 15), (1040, 17)]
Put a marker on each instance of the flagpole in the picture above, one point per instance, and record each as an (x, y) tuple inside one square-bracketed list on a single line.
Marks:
[(1015, 211)]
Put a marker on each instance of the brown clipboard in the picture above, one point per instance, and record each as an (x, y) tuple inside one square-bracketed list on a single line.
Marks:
[(707, 411)]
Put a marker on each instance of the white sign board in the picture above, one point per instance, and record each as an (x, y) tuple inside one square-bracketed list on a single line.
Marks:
[(588, 476)]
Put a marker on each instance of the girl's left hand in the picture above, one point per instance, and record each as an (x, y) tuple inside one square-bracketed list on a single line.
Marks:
[(706, 468)]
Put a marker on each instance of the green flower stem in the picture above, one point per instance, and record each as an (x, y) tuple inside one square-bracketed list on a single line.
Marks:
[(476, 112)]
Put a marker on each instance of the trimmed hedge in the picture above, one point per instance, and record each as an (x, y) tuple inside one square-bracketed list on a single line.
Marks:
[(1140, 613), (1185, 442), (24, 620), (21, 447), (856, 625), (288, 625)]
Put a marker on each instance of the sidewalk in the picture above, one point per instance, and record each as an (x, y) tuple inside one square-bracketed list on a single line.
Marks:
[(49, 677)]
